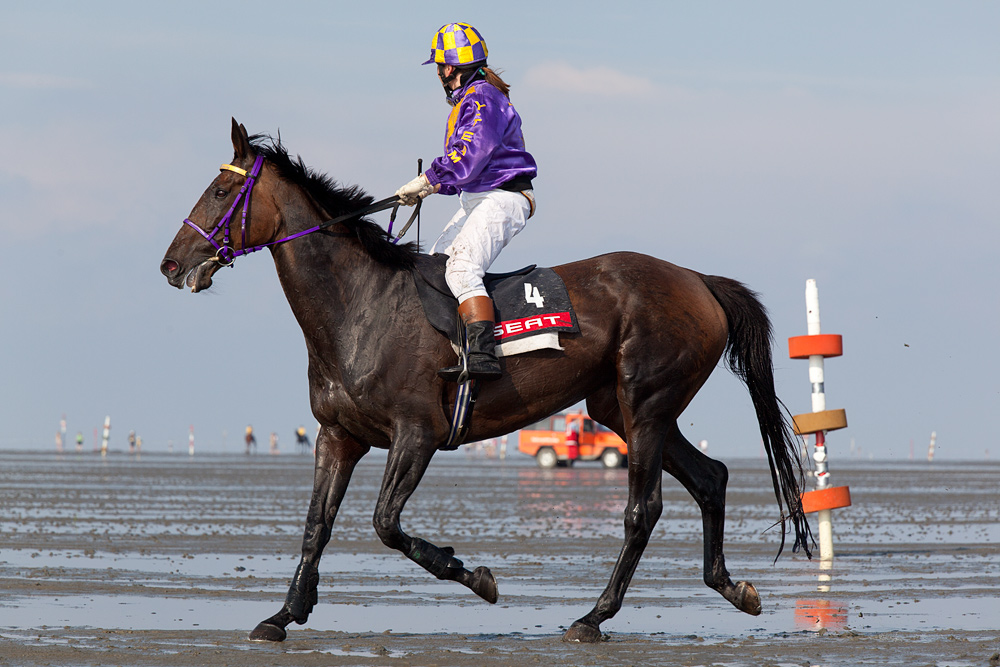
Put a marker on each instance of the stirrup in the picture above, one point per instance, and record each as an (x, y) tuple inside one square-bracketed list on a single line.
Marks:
[(486, 370), (457, 373)]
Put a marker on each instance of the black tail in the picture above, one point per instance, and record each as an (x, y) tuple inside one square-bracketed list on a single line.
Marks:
[(748, 355)]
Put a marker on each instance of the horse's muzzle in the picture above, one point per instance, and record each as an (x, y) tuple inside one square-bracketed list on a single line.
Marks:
[(198, 278), (172, 270)]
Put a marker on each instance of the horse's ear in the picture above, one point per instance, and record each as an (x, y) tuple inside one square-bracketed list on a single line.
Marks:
[(241, 141)]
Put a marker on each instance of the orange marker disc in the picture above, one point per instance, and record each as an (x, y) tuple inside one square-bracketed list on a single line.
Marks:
[(826, 499), (827, 345)]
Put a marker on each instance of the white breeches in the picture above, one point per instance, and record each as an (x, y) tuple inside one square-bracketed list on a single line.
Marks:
[(485, 223)]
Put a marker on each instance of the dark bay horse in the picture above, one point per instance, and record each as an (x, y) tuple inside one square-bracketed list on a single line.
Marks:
[(650, 335)]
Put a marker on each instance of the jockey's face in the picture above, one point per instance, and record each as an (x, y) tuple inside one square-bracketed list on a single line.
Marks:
[(448, 77)]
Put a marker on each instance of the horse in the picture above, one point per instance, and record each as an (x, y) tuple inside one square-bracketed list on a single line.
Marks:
[(650, 334)]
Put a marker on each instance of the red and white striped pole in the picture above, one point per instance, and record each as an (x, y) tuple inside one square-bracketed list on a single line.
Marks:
[(816, 347)]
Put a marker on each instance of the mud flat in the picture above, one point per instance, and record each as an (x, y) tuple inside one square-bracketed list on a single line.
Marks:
[(171, 560)]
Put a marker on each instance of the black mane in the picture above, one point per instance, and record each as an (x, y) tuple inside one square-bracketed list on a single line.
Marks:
[(337, 200)]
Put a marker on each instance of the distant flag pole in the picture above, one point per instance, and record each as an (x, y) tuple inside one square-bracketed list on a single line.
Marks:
[(106, 435)]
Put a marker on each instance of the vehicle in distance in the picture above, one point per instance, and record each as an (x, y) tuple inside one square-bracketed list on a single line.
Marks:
[(547, 442)]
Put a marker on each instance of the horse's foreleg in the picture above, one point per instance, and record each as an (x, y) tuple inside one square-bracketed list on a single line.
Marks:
[(645, 504), (336, 456), (404, 469), (705, 479)]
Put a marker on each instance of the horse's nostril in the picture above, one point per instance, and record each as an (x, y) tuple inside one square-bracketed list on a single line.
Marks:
[(168, 266)]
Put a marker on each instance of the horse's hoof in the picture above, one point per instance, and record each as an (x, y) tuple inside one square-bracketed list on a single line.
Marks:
[(485, 585), (747, 599), (581, 632), (267, 632)]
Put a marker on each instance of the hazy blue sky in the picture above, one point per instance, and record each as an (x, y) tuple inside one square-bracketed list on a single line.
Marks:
[(851, 142)]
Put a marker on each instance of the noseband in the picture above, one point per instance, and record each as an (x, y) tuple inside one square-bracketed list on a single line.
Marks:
[(226, 254)]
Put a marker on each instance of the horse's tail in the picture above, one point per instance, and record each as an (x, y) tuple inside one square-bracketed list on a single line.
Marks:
[(748, 355)]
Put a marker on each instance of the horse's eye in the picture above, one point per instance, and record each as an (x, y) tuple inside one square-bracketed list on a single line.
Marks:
[(220, 193)]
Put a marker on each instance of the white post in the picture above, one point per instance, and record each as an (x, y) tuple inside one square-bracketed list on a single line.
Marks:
[(106, 436), (816, 379), (930, 448), (191, 441)]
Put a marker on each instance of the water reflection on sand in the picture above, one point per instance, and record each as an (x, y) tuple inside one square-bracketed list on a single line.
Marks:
[(171, 543)]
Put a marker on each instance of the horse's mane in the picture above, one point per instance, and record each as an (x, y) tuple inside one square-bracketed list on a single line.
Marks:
[(336, 200)]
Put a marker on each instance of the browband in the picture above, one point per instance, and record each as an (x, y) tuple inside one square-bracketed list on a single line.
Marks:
[(241, 172)]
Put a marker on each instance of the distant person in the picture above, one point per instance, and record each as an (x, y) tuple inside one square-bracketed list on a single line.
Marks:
[(573, 439), (131, 442), (79, 441), (250, 440), (302, 440), (274, 443)]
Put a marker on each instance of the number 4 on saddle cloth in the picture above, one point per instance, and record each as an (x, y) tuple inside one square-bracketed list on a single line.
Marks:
[(531, 305)]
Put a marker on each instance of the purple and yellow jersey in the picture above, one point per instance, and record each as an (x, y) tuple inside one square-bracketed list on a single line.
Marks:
[(484, 145)]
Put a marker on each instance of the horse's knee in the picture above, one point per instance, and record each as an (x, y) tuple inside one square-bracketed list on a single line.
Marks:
[(388, 530), (640, 518)]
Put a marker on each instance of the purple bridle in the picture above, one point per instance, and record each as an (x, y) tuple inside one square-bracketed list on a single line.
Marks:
[(226, 254)]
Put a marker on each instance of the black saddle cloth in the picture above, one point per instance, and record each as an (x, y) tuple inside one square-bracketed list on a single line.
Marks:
[(546, 294)]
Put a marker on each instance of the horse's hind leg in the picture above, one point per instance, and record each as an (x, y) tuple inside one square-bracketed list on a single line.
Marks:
[(705, 479), (406, 466), (645, 504), (337, 454)]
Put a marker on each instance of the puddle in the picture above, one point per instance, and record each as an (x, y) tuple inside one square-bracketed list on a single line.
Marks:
[(160, 544), (407, 615)]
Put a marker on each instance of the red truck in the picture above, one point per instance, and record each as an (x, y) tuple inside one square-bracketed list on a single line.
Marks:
[(546, 441)]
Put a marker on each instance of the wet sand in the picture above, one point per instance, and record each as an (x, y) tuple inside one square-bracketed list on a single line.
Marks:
[(171, 560)]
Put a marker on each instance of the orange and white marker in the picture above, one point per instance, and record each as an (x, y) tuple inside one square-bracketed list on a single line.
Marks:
[(816, 347)]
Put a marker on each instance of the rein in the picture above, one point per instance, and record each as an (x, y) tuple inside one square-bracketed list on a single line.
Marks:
[(227, 254)]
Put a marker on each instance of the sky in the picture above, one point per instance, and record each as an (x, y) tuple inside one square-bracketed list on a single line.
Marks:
[(854, 143)]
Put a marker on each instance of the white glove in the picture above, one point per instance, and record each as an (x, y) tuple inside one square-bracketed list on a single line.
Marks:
[(415, 190)]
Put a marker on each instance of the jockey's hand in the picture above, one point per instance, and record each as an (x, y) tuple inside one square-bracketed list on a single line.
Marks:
[(416, 190)]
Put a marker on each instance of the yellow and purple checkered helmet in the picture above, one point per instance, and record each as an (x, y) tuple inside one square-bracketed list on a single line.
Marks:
[(458, 44)]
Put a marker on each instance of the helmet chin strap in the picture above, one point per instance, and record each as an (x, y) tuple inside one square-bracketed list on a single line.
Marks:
[(449, 92), (446, 82)]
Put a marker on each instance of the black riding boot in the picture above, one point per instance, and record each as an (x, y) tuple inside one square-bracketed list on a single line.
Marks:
[(483, 363)]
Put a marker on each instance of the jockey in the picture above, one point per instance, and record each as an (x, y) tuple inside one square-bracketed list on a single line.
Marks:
[(486, 164)]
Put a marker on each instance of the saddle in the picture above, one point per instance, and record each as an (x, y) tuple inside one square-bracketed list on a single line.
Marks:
[(532, 305)]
